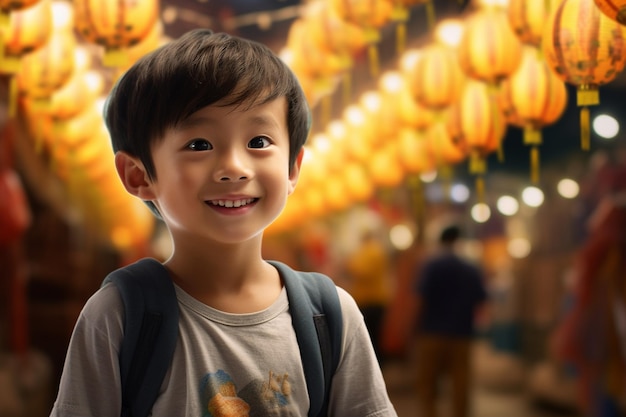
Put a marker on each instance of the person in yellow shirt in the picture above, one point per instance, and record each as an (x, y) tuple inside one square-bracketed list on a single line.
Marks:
[(368, 269)]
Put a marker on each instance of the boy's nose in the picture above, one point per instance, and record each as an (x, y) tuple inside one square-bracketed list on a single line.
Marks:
[(232, 167)]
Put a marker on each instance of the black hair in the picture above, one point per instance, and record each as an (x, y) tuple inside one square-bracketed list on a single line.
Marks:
[(200, 68), (450, 234)]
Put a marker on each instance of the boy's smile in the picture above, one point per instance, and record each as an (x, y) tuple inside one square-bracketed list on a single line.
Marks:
[(223, 174)]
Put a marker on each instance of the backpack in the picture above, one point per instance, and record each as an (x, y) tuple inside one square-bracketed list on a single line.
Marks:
[(151, 331)]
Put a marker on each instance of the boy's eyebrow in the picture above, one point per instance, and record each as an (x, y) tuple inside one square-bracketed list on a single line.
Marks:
[(257, 120)]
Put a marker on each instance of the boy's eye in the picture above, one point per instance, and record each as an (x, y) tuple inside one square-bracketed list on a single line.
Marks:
[(259, 142), (199, 145)]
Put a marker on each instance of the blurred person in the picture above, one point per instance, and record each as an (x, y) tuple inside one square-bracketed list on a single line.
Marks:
[(368, 269), (591, 338), (450, 293)]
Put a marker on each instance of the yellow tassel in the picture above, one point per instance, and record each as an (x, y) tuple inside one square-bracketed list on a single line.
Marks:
[(400, 37), (500, 153), (347, 88), (115, 58), (478, 164), (532, 136), (430, 14), (326, 109), (372, 51), (585, 133), (12, 96), (534, 164), (480, 189)]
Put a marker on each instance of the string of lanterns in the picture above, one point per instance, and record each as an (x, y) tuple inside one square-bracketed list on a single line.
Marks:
[(448, 102)]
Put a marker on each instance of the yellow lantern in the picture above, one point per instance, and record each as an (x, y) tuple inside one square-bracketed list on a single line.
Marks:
[(414, 152), (385, 168), (584, 48), (536, 97), (361, 187), (115, 25), (614, 9), (48, 69), (330, 32), (477, 121), (528, 18), (489, 50), (371, 16), (446, 150), (436, 80)]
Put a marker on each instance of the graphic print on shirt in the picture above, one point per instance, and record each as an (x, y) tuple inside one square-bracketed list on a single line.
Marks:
[(269, 397)]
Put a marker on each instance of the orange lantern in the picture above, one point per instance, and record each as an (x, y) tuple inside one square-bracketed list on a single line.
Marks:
[(477, 121), (584, 48), (361, 187), (446, 150), (614, 9), (528, 18), (28, 30), (436, 80), (536, 97), (385, 168), (115, 25), (489, 50), (330, 32), (414, 152), (370, 15), (49, 68)]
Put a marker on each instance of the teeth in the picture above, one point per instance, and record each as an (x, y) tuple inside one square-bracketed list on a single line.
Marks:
[(232, 203)]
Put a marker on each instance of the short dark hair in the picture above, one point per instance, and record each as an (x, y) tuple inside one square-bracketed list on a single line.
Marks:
[(198, 69), (450, 234)]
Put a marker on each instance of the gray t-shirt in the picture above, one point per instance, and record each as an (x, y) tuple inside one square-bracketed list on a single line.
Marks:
[(224, 364)]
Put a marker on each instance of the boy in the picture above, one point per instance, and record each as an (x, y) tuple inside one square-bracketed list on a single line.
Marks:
[(208, 130)]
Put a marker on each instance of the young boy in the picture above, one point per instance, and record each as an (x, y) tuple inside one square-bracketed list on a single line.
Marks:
[(208, 130)]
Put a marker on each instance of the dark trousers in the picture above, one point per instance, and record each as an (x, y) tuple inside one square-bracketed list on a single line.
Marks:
[(443, 358)]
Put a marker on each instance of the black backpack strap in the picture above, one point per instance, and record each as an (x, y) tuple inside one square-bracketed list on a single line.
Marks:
[(150, 332), (317, 320)]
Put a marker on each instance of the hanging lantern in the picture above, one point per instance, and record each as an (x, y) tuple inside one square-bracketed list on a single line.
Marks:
[(584, 48), (384, 167), (436, 80), (371, 16), (528, 18), (489, 50), (614, 9), (536, 97), (446, 150), (360, 185), (414, 152), (477, 121), (115, 25), (48, 69), (28, 30)]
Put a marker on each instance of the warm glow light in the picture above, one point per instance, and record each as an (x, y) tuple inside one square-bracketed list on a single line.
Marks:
[(481, 212), (449, 32), (507, 205), (391, 82), (606, 126), (568, 188), (428, 176), (532, 196), (62, 15), (459, 193), (337, 129), (321, 142), (354, 115), (518, 248), (95, 81), (409, 59), (401, 237), (371, 101)]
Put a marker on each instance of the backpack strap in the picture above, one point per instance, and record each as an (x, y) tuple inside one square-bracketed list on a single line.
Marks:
[(318, 323), (150, 332)]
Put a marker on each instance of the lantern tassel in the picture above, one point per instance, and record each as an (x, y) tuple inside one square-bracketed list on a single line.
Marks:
[(400, 14), (585, 133), (430, 14), (534, 164), (480, 189)]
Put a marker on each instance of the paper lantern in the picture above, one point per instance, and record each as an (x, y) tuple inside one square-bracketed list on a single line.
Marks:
[(8, 6), (115, 25), (369, 15), (445, 149), (527, 19), (385, 169), (614, 9), (489, 50), (360, 185), (48, 69), (436, 80), (584, 48), (536, 97), (330, 32), (477, 121), (414, 152)]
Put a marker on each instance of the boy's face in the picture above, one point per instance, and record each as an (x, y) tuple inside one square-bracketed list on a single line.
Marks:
[(224, 174)]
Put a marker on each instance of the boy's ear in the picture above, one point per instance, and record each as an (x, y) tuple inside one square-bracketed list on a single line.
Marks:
[(295, 172), (134, 176)]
